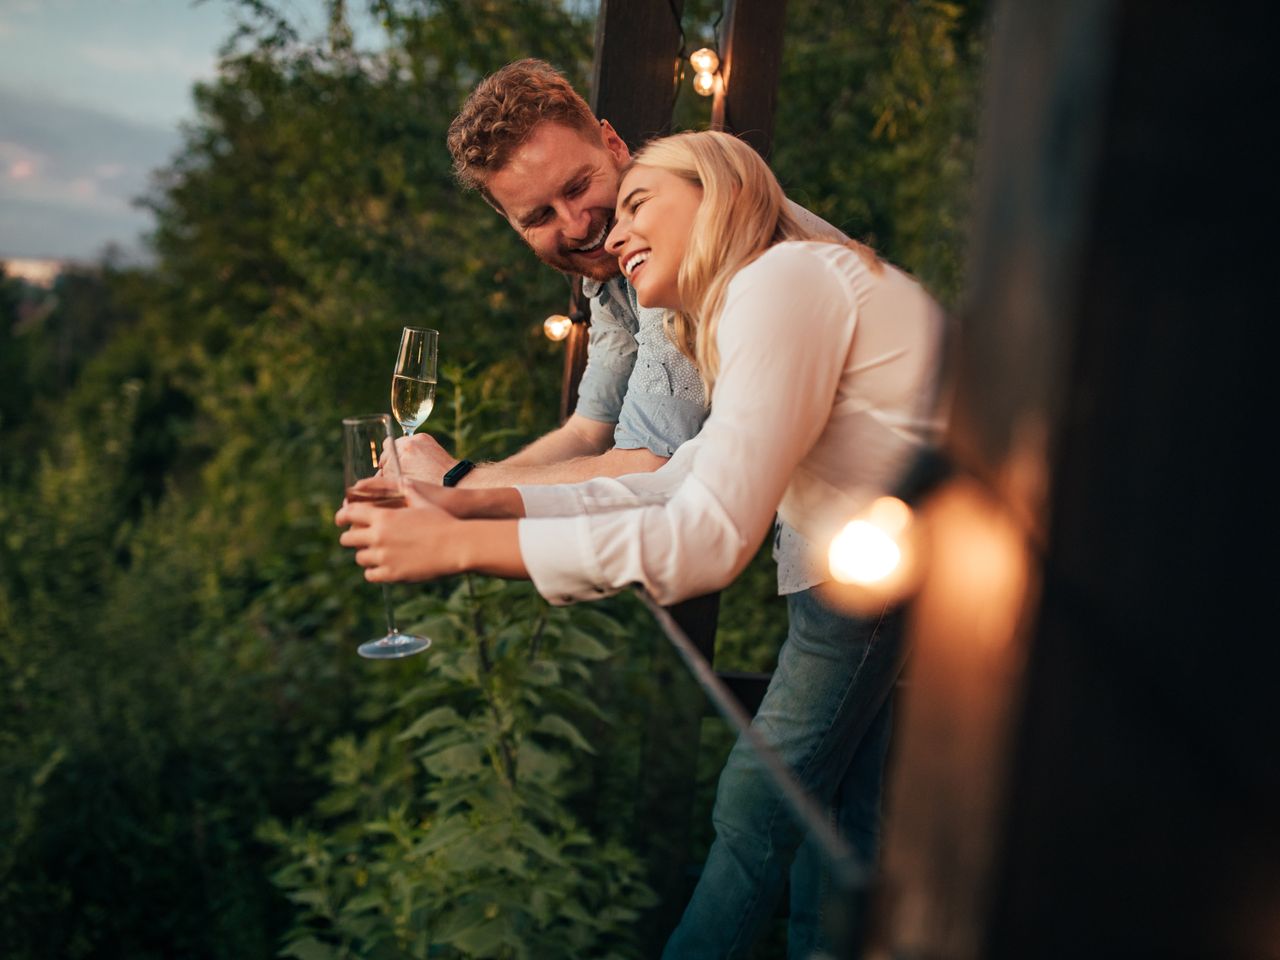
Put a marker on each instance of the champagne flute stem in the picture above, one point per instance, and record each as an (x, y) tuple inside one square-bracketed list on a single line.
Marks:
[(392, 629)]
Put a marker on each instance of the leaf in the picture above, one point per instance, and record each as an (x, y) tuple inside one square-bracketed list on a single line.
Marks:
[(313, 898), (533, 840), (431, 720), (558, 726), (309, 948), (369, 900), (538, 765), (543, 673), (483, 941), (581, 644), (459, 920), (465, 759), (440, 836)]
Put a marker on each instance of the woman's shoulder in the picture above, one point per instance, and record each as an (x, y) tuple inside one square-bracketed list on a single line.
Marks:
[(814, 266), (802, 257)]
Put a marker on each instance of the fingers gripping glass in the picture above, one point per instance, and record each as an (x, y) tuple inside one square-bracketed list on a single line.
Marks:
[(413, 385), (371, 473)]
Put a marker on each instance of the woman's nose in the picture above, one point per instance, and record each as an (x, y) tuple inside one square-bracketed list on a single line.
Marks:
[(617, 239)]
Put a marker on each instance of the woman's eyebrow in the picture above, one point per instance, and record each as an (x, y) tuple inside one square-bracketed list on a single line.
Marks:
[(626, 201)]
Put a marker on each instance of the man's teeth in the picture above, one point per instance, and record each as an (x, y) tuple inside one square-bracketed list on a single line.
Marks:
[(594, 242), (630, 266)]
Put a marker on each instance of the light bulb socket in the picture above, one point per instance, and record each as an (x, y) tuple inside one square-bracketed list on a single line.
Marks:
[(928, 471)]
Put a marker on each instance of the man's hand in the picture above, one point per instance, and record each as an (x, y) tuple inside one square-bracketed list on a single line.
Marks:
[(422, 458)]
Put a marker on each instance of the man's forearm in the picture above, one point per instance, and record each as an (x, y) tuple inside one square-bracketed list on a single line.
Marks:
[(576, 437), (613, 463)]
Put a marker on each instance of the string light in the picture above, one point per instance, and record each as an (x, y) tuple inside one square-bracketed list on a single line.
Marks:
[(875, 547), (705, 60), (881, 553), (557, 326), (705, 63)]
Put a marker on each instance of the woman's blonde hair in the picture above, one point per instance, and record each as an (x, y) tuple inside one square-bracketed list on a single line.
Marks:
[(743, 213)]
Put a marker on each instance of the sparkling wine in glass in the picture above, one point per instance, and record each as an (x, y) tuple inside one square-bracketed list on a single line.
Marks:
[(413, 385), (371, 473)]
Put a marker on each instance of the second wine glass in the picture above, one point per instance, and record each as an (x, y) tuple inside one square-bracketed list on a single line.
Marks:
[(371, 474), (413, 384)]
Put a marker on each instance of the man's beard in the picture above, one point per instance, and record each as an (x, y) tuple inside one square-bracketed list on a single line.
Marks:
[(593, 268)]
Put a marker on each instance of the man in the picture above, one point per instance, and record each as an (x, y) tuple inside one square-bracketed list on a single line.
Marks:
[(531, 146)]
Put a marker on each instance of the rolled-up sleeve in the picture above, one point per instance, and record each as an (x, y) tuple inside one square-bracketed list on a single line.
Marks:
[(691, 526), (611, 356)]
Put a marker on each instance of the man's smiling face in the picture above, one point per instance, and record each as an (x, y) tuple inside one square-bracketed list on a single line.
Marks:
[(558, 191)]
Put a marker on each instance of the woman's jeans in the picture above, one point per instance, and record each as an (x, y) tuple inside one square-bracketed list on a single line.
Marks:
[(827, 714)]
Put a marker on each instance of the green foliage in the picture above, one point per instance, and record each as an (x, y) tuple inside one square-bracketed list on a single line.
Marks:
[(448, 829), (889, 88)]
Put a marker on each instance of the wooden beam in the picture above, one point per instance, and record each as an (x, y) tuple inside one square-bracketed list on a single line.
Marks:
[(636, 56), (749, 65), (633, 87), (575, 348)]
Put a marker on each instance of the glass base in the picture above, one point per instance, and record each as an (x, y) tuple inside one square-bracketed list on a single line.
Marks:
[(393, 645)]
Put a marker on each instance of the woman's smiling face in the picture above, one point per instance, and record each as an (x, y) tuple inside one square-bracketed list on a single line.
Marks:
[(651, 229)]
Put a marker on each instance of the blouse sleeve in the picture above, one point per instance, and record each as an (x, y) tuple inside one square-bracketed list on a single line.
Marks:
[(784, 334)]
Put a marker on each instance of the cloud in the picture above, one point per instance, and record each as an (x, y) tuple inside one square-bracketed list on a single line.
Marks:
[(74, 173), (150, 61)]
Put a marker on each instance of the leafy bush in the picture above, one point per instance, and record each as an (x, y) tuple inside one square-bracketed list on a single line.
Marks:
[(449, 824)]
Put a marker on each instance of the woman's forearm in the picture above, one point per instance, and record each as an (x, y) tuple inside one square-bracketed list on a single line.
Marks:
[(494, 503), (491, 547)]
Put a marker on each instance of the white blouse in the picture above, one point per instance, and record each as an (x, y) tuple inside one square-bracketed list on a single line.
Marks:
[(828, 371)]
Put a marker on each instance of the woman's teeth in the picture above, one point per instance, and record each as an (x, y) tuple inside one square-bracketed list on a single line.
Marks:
[(632, 262)]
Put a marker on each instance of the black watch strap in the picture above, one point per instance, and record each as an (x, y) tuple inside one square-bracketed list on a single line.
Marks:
[(457, 472)]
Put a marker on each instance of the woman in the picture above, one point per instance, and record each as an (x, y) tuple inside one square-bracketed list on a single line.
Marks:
[(821, 363)]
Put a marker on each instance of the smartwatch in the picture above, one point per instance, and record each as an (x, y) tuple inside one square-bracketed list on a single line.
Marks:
[(457, 472)]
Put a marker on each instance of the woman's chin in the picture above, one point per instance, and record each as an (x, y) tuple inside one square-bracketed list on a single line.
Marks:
[(652, 299)]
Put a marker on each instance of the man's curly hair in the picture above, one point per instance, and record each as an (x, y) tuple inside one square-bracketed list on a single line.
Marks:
[(502, 113)]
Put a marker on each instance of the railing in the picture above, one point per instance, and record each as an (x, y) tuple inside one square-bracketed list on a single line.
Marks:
[(850, 878)]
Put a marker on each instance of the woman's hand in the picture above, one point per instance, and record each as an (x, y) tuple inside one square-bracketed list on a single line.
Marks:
[(417, 542)]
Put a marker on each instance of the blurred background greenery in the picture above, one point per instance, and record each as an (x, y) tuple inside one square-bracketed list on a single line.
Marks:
[(193, 761)]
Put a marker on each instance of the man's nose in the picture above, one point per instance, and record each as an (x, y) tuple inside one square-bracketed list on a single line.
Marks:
[(576, 220)]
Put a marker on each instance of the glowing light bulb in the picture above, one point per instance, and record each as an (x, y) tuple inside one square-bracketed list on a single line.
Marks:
[(704, 60), (704, 83), (871, 548), (557, 326)]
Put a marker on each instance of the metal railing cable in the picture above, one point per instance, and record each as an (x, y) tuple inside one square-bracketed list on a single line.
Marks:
[(847, 869)]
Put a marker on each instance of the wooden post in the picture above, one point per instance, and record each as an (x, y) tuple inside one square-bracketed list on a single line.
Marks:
[(633, 87), (634, 74), (575, 348), (1089, 758), (749, 66)]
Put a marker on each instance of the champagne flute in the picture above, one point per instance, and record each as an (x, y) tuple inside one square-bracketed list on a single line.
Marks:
[(413, 384), (371, 474)]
